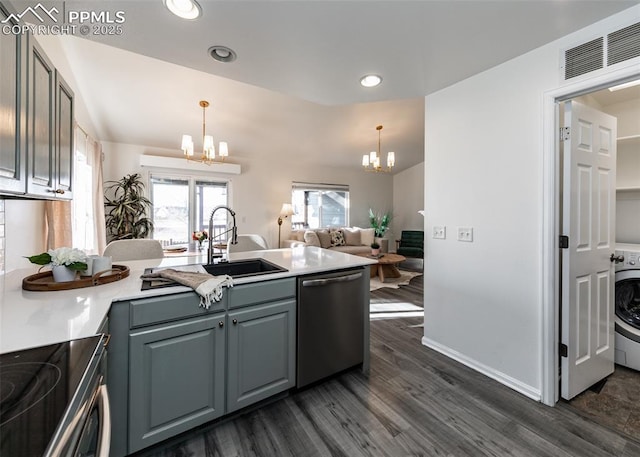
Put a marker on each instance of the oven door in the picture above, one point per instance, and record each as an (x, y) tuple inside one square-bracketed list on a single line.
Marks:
[(95, 437), (86, 428)]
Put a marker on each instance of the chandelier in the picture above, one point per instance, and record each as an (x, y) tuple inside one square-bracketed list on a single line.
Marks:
[(371, 161), (208, 148)]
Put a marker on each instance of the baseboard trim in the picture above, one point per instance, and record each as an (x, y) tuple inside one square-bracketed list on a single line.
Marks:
[(518, 386)]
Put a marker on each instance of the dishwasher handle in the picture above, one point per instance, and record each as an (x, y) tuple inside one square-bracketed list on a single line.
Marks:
[(325, 281)]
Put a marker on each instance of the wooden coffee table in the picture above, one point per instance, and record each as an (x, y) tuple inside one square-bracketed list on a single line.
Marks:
[(386, 266)]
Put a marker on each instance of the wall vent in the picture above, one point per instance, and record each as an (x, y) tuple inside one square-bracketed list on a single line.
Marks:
[(623, 44), (619, 46), (584, 58)]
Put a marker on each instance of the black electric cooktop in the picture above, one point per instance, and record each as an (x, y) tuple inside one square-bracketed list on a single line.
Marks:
[(36, 386)]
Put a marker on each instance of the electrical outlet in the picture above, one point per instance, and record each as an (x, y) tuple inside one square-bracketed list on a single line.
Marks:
[(465, 234), (439, 232)]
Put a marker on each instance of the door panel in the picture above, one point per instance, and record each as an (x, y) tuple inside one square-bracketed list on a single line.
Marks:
[(587, 273)]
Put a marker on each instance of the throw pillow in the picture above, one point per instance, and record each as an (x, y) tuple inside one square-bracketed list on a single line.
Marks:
[(367, 236), (337, 238), (352, 237), (300, 235), (311, 238), (325, 238)]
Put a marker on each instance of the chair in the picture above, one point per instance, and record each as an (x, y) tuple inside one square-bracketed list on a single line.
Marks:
[(411, 244), (120, 250), (250, 242)]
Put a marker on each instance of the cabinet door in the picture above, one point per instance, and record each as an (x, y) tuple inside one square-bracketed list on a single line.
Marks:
[(261, 353), (12, 99), (176, 378), (40, 125), (64, 136)]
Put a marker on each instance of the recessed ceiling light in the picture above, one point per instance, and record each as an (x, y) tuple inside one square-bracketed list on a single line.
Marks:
[(370, 80), (222, 54), (186, 9)]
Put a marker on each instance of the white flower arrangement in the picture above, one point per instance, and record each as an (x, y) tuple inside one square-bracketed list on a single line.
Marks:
[(69, 257)]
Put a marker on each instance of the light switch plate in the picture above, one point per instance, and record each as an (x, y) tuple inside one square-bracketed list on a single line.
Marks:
[(465, 234), (439, 232)]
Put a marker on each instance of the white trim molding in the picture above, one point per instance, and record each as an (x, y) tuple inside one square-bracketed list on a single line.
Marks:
[(176, 163), (524, 389)]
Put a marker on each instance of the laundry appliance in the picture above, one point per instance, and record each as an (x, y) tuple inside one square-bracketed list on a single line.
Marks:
[(627, 297)]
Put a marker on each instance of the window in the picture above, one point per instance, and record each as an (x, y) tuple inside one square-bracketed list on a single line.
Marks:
[(320, 205), (183, 205)]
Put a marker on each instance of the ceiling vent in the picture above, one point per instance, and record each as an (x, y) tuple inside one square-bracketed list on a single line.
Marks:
[(619, 46), (623, 44), (584, 58)]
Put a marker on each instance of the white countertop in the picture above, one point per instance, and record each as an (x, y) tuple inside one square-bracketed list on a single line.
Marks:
[(30, 319)]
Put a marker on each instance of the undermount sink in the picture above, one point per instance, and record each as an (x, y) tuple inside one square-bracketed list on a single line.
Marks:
[(234, 268), (242, 268)]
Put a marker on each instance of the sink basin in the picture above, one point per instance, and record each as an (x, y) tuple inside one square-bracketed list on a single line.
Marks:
[(235, 269), (242, 268)]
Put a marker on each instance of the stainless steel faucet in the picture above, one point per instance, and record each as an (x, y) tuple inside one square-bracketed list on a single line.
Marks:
[(233, 230)]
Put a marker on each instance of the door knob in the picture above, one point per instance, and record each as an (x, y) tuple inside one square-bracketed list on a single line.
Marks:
[(616, 258)]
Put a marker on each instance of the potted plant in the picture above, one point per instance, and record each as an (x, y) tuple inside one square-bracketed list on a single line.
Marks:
[(379, 222), (200, 237), (65, 262), (375, 249), (126, 208)]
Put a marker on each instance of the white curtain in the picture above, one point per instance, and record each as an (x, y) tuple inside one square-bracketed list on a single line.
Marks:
[(88, 221)]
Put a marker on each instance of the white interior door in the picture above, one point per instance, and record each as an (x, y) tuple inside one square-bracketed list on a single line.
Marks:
[(588, 276)]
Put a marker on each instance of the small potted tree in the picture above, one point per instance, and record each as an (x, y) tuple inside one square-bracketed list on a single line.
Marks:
[(375, 249), (126, 209)]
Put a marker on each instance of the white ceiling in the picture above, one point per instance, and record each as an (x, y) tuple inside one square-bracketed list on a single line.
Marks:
[(298, 68)]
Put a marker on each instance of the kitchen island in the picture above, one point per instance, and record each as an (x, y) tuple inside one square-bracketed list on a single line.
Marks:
[(30, 319), (173, 365)]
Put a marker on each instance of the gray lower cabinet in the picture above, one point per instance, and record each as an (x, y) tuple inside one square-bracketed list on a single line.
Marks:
[(261, 352), (176, 374), (173, 366)]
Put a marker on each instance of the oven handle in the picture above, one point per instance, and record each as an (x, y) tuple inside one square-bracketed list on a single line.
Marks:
[(105, 422)]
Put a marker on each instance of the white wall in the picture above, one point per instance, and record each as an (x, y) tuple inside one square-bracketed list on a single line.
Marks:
[(265, 184), (408, 199), (483, 168)]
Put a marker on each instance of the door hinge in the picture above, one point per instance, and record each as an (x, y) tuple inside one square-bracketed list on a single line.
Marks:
[(563, 350), (565, 133), (564, 242)]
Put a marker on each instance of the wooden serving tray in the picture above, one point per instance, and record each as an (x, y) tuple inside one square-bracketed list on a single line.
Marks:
[(44, 281)]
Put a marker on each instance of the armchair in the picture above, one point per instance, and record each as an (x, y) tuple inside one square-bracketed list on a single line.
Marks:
[(411, 244)]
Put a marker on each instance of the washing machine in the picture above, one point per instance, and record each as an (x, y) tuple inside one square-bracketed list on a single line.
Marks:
[(627, 325)]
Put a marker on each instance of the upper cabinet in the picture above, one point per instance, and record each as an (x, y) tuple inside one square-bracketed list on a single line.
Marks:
[(37, 108), (13, 55)]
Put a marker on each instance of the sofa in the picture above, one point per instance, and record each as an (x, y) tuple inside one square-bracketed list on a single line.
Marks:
[(352, 240)]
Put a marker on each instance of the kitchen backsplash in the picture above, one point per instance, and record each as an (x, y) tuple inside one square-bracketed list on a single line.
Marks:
[(2, 236)]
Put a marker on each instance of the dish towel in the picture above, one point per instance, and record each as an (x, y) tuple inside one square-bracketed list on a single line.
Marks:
[(209, 287)]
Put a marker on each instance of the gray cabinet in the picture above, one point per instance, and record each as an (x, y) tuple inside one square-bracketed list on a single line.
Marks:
[(49, 128), (261, 352), (37, 119), (64, 139), (176, 374), (174, 366), (13, 58)]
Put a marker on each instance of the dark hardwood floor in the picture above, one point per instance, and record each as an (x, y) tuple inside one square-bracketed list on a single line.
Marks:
[(415, 402)]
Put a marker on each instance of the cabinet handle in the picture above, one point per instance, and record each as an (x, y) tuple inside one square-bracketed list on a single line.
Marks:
[(235, 321), (221, 324), (57, 191)]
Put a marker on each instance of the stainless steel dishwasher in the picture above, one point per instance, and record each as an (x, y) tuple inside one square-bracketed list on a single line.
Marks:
[(331, 310)]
